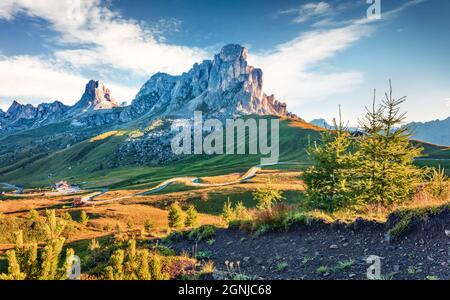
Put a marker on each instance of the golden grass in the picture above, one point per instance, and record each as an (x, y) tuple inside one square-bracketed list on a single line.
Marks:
[(106, 135), (302, 124)]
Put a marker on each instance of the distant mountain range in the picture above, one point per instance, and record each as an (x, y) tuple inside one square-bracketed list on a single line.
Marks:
[(433, 132), (225, 87), (324, 124), (222, 87)]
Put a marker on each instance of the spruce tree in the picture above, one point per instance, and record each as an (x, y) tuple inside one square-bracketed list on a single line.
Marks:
[(135, 264), (54, 227), (26, 262), (385, 169), (191, 217), (267, 196), (175, 217), (228, 214), (84, 218), (329, 182)]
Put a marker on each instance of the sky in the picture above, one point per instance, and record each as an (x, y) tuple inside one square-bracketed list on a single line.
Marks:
[(315, 55)]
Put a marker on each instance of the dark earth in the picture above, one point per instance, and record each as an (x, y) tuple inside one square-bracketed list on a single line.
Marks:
[(330, 251)]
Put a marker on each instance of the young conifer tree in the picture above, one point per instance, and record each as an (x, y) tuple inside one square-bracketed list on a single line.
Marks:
[(386, 173), (27, 262), (176, 217), (191, 217), (329, 181)]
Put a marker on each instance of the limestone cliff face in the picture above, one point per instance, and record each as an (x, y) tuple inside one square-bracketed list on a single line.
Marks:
[(96, 97), (224, 86)]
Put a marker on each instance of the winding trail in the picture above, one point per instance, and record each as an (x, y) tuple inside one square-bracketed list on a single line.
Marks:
[(189, 181), (89, 199), (11, 186)]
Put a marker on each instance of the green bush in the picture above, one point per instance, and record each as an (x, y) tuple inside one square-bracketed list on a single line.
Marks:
[(267, 196), (438, 184), (201, 233), (176, 217), (191, 217), (84, 218), (27, 262)]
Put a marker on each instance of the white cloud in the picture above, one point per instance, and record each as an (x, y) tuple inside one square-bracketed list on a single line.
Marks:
[(34, 80), (103, 37), (308, 11), (98, 38), (290, 72)]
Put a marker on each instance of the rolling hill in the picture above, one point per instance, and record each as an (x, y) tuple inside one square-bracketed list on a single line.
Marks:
[(91, 162)]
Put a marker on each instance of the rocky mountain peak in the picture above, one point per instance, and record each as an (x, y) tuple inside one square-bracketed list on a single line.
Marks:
[(233, 52), (20, 111), (96, 96), (224, 86)]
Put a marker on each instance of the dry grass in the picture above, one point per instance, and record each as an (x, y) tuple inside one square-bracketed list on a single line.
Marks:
[(106, 135), (304, 125)]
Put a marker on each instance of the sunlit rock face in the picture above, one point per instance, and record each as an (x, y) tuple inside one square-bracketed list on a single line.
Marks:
[(96, 97), (224, 86)]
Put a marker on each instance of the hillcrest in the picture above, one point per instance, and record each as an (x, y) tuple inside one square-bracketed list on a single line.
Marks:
[(190, 136)]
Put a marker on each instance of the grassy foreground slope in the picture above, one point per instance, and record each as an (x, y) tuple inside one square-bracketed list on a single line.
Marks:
[(86, 162)]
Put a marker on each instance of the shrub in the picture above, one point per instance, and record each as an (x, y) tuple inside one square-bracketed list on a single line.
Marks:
[(130, 223), (33, 215), (26, 262), (84, 218), (238, 212), (438, 185), (175, 217), (132, 264), (149, 225), (142, 264), (267, 196), (53, 227), (228, 212), (94, 245), (204, 232), (191, 217), (66, 216)]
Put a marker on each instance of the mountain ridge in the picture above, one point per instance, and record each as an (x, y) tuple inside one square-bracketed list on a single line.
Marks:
[(435, 131), (223, 87)]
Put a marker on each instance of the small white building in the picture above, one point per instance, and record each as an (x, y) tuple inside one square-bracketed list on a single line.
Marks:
[(65, 188)]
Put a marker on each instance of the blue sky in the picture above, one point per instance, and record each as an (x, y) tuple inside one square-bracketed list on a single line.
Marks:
[(315, 54)]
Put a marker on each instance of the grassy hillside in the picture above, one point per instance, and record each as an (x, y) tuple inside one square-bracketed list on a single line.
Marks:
[(87, 162), (90, 161)]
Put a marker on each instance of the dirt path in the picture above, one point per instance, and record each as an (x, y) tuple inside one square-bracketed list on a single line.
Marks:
[(189, 181), (324, 251)]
